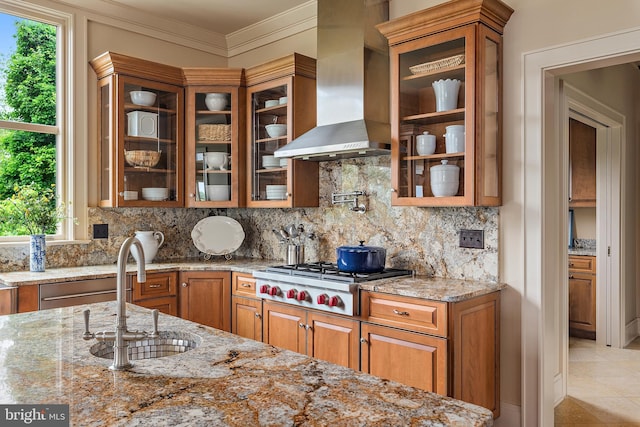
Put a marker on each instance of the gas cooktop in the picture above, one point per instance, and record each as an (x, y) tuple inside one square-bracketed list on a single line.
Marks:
[(330, 271)]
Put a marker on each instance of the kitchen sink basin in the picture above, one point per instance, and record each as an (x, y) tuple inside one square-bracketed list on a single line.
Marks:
[(167, 344)]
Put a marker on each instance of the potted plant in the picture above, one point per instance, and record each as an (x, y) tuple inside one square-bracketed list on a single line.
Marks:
[(34, 211)]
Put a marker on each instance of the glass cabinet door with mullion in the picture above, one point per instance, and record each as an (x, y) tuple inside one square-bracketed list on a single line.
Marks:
[(270, 129), (213, 155), (435, 97)]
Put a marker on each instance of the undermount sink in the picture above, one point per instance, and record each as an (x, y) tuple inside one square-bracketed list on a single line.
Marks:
[(167, 344)]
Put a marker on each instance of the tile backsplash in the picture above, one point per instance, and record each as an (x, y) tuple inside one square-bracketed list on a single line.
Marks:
[(421, 239)]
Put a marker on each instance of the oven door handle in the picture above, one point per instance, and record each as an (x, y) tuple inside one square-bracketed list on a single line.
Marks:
[(86, 294)]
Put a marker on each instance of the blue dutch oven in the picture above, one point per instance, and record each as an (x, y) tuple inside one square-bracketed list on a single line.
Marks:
[(361, 259)]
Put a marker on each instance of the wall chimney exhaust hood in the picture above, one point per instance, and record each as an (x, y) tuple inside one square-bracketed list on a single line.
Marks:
[(353, 84)]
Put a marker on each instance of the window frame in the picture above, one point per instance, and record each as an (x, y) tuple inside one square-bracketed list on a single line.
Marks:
[(63, 128)]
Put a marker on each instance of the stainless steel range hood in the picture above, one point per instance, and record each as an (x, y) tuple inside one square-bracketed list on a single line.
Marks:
[(353, 84)]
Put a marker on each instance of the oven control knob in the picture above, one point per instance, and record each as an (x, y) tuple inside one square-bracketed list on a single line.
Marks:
[(264, 289), (322, 299), (291, 293), (274, 291), (334, 301), (302, 296)]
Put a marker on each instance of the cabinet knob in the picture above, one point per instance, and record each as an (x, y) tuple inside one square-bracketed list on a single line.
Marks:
[(571, 276), (287, 194), (121, 194), (185, 284), (301, 325), (308, 327), (393, 190), (192, 195), (257, 315), (363, 340)]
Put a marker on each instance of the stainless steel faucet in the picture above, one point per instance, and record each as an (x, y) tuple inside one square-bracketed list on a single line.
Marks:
[(122, 336)]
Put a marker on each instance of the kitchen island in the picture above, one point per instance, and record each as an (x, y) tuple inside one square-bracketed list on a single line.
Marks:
[(227, 380)]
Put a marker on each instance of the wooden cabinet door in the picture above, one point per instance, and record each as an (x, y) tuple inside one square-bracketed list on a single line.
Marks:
[(8, 300), (417, 360), (166, 305), (475, 351), (246, 317), (205, 298), (334, 339), (582, 305), (284, 326), (582, 164)]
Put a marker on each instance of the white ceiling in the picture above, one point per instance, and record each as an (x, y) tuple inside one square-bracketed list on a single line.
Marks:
[(220, 16)]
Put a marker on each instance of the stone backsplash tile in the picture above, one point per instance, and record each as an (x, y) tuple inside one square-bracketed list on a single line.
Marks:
[(421, 239)]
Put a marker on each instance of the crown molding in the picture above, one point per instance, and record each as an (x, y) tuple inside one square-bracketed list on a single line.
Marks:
[(277, 27)]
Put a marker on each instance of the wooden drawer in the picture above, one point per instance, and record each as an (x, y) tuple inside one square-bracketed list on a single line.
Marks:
[(166, 305), (405, 312), (244, 285), (582, 263), (157, 285)]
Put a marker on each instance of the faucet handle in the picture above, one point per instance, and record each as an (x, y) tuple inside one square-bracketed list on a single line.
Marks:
[(154, 333), (87, 335)]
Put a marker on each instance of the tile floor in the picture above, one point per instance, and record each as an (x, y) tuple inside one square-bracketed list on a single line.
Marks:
[(603, 386)]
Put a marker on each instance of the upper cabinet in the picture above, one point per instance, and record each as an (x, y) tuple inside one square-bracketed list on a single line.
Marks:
[(582, 164), (446, 80), (140, 132), (281, 105), (214, 137)]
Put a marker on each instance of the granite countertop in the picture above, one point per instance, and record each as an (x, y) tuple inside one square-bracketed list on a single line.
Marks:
[(226, 381), (582, 251), (425, 287)]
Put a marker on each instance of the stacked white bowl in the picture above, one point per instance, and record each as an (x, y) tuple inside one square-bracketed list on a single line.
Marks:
[(276, 192), (284, 162), (218, 192), (276, 130), (155, 194), (270, 162)]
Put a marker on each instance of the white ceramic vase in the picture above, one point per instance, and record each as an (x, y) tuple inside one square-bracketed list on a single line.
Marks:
[(446, 94), (151, 242)]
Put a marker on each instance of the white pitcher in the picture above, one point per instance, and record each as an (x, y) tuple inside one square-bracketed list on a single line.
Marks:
[(151, 242)]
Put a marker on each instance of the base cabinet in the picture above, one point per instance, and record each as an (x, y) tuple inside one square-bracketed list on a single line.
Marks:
[(582, 296), (159, 291), (246, 309), (330, 338), (205, 298), (447, 348), (8, 300), (417, 360)]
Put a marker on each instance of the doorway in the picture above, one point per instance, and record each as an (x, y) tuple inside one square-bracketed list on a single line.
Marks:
[(544, 204)]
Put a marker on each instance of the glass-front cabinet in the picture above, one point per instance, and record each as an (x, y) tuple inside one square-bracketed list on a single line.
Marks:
[(281, 105), (140, 132), (214, 150), (446, 106)]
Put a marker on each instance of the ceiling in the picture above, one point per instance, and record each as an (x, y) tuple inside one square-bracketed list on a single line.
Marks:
[(220, 16)]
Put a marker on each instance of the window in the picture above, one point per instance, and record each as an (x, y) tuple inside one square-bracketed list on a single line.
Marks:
[(33, 146)]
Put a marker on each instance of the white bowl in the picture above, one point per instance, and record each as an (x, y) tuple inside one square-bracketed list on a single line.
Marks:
[(282, 100), (276, 187), (131, 195), (216, 160), (218, 192), (155, 193), (216, 101), (284, 162), (270, 162), (142, 97), (276, 130), (271, 103)]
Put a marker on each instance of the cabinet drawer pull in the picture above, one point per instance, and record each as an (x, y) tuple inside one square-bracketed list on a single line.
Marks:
[(184, 285), (155, 286), (400, 313), (245, 285)]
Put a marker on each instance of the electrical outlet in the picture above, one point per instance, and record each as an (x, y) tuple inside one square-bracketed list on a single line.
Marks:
[(100, 231), (472, 239)]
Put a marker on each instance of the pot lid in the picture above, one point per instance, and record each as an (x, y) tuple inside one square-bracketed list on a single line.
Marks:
[(360, 248)]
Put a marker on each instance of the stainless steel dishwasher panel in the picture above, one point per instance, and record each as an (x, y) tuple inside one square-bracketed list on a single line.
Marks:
[(54, 295)]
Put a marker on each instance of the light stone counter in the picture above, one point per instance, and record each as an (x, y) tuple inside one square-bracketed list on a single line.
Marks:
[(582, 251), (226, 381), (433, 288)]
